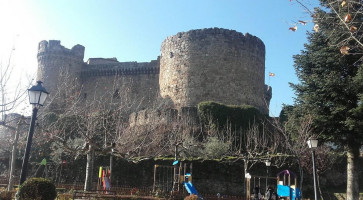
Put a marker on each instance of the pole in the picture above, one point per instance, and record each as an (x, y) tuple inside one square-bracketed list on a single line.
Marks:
[(155, 168), (111, 168), (314, 175), (24, 168), (248, 188), (266, 179)]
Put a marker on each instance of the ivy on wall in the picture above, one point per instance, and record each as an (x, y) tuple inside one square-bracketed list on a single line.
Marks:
[(220, 115)]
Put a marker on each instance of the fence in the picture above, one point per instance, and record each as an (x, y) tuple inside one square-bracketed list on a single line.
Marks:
[(117, 191)]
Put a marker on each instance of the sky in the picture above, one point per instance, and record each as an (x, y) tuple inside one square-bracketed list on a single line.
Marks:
[(133, 30)]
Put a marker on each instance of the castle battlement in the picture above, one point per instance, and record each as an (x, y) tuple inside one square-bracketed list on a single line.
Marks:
[(231, 35), (54, 47), (110, 67)]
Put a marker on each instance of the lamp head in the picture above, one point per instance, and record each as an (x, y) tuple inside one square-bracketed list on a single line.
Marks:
[(37, 94), (312, 143)]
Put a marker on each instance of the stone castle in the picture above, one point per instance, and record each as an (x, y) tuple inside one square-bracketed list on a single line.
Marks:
[(211, 64)]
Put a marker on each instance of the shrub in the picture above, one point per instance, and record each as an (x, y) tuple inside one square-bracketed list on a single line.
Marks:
[(37, 188), (6, 195), (214, 148)]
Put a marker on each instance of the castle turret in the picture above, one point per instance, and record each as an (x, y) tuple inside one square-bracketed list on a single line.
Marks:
[(57, 63), (213, 65)]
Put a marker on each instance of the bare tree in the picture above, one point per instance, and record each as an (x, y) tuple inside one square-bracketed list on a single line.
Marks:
[(89, 125), (12, 95), (295, 134)]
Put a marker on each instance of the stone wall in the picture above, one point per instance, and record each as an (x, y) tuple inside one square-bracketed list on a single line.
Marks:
[(213, 65), (54, 60), (152, 116), (164, 116), (131, 84)]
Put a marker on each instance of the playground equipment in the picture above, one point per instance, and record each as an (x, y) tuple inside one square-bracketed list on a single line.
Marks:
[(285, 189), (163, 178), (104, 179), (189, 186), (169, 178), (261, 181)]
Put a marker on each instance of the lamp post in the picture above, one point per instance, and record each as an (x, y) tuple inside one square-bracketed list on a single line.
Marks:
[(248, 185), (313, 143), (268, 164), (37, 96), (111, 161)]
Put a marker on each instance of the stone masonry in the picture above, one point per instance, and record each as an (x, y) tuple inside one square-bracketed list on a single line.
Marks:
[(199, 65)]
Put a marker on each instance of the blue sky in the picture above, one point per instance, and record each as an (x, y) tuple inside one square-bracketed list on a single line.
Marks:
[(134, 30)]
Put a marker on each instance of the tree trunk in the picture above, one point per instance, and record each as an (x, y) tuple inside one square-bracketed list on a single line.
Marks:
[(89, 169), (352, 171), (13, 157)]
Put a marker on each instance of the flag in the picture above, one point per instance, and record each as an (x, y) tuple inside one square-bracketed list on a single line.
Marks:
[(271, 74)]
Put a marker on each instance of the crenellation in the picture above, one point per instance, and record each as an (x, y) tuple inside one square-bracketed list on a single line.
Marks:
[(54, 47)]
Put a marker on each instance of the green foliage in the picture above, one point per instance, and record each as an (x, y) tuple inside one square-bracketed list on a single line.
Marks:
[(327, 89), (220, 115), (331, 86), (215, 148), (37, 188)]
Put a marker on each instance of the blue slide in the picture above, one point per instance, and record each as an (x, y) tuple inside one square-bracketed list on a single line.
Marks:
[(191, 189)]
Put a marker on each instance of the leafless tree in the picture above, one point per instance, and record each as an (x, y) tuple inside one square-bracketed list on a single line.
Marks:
[(295, 141), (12, 95), (89, 125)]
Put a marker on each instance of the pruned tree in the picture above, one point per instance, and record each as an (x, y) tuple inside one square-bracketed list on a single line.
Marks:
[(85, 126)]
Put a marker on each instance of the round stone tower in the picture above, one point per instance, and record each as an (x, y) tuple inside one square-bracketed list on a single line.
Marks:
[(57, 63), (213, 65)]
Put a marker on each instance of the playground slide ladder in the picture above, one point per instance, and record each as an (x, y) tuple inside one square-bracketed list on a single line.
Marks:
[(176, 180)]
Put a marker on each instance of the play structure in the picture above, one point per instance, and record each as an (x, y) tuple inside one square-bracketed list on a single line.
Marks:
[(261, 181), (169, 178), (104, 182), (286, 189)]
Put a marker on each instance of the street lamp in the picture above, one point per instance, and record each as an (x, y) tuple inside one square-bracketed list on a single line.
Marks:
[(268, 164), (37, 96), (313, 143)]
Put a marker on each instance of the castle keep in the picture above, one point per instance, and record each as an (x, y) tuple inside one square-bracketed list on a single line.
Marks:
[(199, 65)]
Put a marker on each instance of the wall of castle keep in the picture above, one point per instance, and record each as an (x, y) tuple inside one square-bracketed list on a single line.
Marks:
[(133, 89), (213, 65)]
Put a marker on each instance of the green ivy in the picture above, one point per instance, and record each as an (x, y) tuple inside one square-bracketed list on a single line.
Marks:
[(220, 115)]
